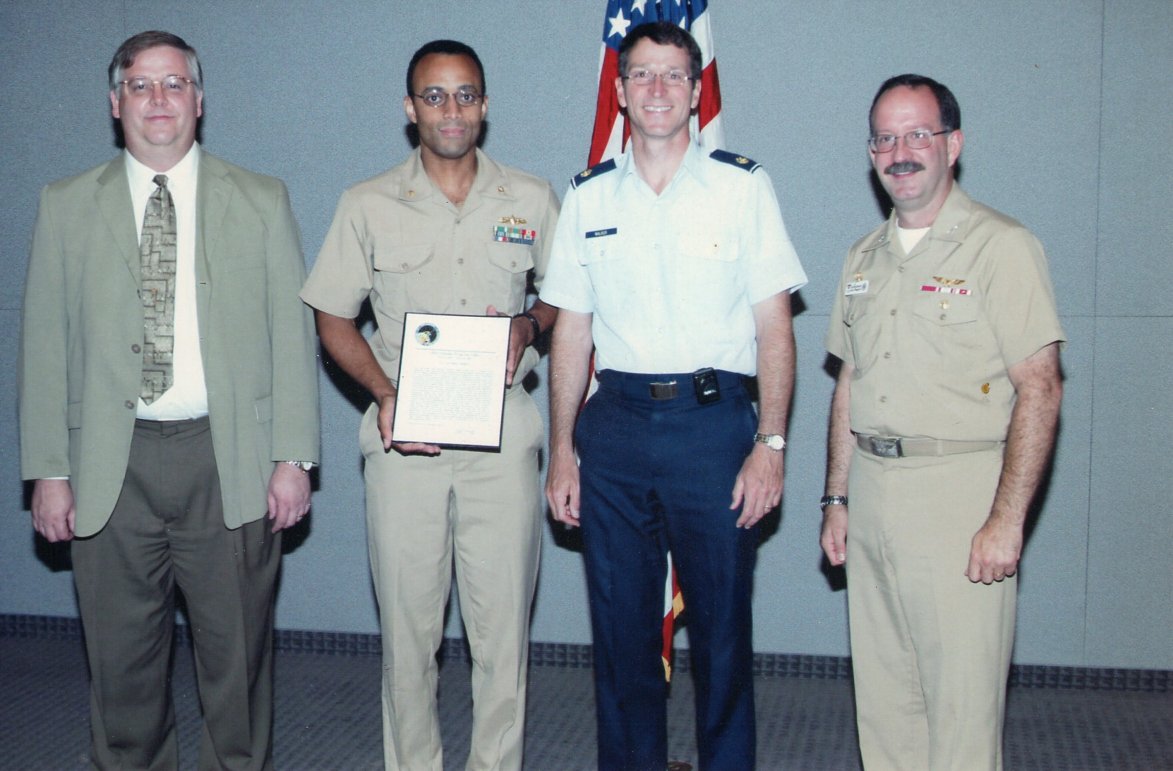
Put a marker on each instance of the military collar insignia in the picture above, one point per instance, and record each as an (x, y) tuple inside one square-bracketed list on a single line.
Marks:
[(733, 159), (593, 171)]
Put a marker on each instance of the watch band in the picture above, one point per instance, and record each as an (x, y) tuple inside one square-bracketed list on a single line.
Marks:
[(533, 320), (775, 442), (832, 500)]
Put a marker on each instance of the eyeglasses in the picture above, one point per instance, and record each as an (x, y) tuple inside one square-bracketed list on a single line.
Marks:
[(438, 97), (913, 140), (647, 77), (172, 84)]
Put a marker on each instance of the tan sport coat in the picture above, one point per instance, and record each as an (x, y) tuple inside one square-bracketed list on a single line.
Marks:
[(80, 366)]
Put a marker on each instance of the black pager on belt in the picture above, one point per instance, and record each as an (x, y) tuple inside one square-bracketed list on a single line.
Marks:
[(704, 382)]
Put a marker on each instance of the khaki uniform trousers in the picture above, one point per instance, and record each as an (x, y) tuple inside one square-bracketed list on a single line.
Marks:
[(483, 509), (930, 650)]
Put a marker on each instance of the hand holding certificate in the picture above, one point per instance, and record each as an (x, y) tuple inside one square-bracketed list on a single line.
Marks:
[(451, 389)]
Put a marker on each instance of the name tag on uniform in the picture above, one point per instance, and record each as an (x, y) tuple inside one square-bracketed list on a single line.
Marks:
[(603, 232), (514, 235), (856, 287)]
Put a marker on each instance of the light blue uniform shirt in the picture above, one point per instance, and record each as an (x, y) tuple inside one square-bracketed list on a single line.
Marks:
[(671, 279)]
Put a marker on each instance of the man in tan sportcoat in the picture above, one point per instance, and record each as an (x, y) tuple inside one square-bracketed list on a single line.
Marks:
[(169, 434)]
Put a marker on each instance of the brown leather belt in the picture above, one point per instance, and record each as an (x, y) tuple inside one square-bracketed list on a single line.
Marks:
[(899, 447)]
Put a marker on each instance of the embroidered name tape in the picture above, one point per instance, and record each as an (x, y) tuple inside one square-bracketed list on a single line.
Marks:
[(603, 232)]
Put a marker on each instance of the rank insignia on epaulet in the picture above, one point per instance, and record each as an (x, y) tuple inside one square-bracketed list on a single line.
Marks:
[(592, 172), (733, 159)]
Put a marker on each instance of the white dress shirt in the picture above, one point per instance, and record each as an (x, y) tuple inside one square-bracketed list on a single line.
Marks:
[(188, 395)]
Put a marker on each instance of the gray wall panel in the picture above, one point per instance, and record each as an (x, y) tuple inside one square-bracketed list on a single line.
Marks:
[(1136, 166), (1130, 575)]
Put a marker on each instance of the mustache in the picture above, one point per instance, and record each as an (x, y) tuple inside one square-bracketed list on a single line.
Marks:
[(904, 167)]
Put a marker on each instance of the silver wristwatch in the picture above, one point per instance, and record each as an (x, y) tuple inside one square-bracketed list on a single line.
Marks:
[(773, 441)]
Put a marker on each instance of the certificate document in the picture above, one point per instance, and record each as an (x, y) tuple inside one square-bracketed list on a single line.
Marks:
[(451, 389)]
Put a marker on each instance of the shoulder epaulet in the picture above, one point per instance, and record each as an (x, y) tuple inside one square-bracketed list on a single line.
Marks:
[(733, 159), (592, 172)]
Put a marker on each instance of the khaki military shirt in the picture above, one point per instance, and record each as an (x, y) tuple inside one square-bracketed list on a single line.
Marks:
[(932, 334), (397, 240)]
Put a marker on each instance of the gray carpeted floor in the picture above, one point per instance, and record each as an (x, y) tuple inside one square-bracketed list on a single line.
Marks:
[(328, 717)]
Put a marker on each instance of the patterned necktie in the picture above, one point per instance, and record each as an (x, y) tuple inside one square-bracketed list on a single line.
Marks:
[(157, 251)]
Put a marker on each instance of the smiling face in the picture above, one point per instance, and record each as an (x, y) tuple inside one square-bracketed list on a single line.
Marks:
[(159, 126), (917, 181), (658, 111), (450, 131)]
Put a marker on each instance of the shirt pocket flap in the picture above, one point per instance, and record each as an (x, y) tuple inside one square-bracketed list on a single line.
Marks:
[(946, 310), (512, 258), (403, 259)]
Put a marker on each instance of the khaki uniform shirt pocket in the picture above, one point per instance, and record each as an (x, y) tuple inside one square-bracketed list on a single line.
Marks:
[(512, 262), (405, 279)]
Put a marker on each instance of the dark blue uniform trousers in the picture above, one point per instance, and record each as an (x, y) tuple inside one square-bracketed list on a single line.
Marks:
[(658, 475)]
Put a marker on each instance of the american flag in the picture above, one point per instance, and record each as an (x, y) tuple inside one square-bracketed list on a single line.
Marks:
[(611, 132), (610, 137)]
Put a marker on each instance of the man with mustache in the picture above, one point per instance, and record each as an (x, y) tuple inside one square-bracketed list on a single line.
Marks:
[(945, 413), (447, 231)]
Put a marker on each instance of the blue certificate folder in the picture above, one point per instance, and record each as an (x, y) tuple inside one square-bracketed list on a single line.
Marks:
[(451, 386)]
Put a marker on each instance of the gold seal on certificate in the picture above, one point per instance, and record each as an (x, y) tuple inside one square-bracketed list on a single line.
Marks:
[(451, 389)]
